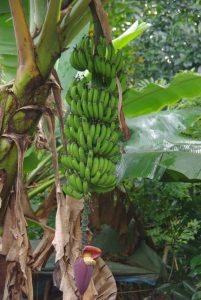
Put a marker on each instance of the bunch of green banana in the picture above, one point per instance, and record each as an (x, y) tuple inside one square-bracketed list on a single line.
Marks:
[(103, 60), (92, 127)]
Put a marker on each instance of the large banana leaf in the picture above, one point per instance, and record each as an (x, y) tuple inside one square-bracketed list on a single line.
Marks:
[(8, 57), (154, 97), (157, 148), (8, 52)]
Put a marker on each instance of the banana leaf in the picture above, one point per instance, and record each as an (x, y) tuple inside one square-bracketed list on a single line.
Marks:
[(155, 97), (8, 52), (130, 34), (158, 149)]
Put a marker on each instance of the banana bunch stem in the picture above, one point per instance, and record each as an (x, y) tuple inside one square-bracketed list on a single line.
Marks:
[(85, 220)]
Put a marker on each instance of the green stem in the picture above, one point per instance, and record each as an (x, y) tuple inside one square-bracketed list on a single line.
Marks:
[(85, 220), (47, 44), (40, 166), (32, 24), (42, 187), (27, 67), (40, 12), (74, 22)]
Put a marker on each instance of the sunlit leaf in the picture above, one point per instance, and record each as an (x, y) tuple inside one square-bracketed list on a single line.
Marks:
[(154, 97), (130, 34)]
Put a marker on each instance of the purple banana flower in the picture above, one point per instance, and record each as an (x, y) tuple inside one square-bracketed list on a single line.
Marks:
[(83, 267), (83, 274)]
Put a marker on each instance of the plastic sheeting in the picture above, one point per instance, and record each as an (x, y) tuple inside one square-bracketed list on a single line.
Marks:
[(157, 145)]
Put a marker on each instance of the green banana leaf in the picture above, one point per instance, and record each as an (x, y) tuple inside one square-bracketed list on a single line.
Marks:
[(158, 149), (8, 52), (8, 57), (130, 34), (154, 97)]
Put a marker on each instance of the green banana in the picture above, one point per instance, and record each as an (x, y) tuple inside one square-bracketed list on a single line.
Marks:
[(76, 122), (90, 109), (85, 108), (112, 102), (90, 159), (82, 169), (79, 109), (92, 126), (102, 96), (113, 70), (95, 166), (95, 179), (100, 111), (85, 187), (72, 181), (82, 60), (103, 67), (103, 133), (73, 92), (101, 164), (90, 95), (82, 154), (95, 110), (73, 133), (77, 195), (80, 88), (79, 184), (106, 100), (66, 161), (92, 131), (113, 85), (75, 164), (95, 95), (67, 132), (70, 120), (74, 107), (89, 141), (85, 126), (97, 146), (106, 118), (76, 151), (104, 147), (87, 174), (97, 131), (68, 99)]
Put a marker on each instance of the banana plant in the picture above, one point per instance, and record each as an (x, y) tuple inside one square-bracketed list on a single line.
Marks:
[(53, 25), (27, 99)]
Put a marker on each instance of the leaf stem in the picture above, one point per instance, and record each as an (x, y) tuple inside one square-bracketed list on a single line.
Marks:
[(27, 67), (40, 188), (47, 44), (40, 166)]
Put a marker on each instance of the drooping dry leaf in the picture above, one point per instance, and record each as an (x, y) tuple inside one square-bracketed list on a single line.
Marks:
[(18, 277), (18, 272), (43, 249), (121, 117), (48, 204), (67, 240), (102, 285)]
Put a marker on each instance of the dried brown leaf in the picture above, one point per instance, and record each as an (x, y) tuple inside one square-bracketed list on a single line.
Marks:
[(102, 285), (43, 249)]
